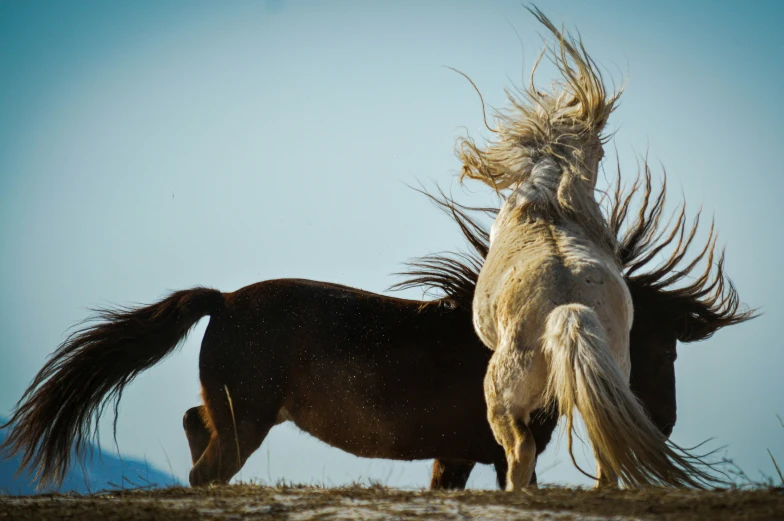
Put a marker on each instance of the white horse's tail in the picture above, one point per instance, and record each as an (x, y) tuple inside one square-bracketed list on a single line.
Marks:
[(584, 375)]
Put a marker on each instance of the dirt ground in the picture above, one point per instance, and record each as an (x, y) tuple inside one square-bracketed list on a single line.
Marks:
[(246, 502)]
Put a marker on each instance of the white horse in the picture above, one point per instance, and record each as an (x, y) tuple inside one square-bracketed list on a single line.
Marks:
[(551, 300)]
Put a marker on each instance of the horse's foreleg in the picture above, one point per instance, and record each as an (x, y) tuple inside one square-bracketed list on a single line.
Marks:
[(221, 459), (241, 422), (450, 474), (196, 431)]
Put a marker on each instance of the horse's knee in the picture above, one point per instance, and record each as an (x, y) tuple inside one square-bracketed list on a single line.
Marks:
[(192, 420), (196, 432)]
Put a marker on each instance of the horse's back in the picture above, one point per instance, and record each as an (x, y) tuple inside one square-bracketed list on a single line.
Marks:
[(541, 265)]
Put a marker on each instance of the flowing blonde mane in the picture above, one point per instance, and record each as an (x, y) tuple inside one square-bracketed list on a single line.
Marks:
[(564, 124)]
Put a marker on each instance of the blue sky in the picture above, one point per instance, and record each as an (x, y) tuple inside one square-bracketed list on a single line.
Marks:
[(150, 146)]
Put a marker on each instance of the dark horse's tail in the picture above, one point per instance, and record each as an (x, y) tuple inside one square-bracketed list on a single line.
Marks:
[(60, 409)]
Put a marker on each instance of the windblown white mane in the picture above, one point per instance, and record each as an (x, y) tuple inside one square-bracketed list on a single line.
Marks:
[(564, 125)]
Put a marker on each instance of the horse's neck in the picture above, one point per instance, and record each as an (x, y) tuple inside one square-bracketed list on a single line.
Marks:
[(552, 193)]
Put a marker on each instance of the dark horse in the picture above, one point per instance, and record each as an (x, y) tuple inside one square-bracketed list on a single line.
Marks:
[(376, 376)]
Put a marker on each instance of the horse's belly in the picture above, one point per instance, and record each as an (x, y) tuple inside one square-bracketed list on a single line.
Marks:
[(396, 414), (372, 435)]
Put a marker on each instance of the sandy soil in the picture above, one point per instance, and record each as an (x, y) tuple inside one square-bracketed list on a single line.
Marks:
[(245, 502)]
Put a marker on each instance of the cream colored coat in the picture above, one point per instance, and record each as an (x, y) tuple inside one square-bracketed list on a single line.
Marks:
[(551, 300)]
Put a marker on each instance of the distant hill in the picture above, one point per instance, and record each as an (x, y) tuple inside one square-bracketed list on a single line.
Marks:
[(104, 472)]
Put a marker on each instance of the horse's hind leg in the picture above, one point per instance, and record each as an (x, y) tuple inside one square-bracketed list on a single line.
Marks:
[(605, 478), (520, 448), (506, 412), (500, 473), (196, 431), (543, 423), (240, 423), (450, 474), (501, 468)]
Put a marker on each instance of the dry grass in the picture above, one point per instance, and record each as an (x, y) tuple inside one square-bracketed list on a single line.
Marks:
[(241, 502)]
